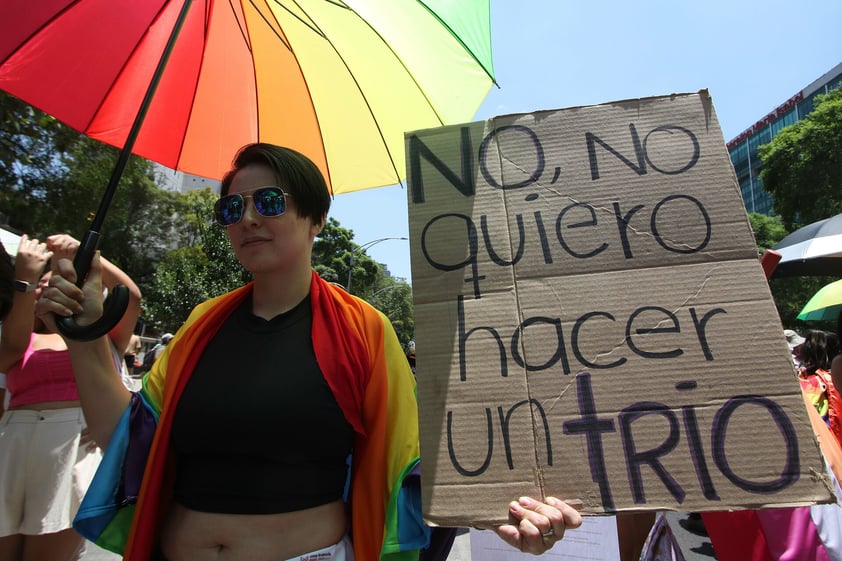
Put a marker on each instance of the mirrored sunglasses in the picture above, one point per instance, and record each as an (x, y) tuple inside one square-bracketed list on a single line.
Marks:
[(267, 201)]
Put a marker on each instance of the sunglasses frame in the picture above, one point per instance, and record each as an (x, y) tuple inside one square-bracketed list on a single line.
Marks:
[(250, 194)]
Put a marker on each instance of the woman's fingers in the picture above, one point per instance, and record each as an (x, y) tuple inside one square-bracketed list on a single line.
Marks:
[(538, 525)]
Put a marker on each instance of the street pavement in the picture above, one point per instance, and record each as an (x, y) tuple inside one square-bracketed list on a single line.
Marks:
[(694, 546)]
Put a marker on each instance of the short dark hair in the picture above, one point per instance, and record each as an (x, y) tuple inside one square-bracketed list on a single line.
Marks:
[(295, 172), (818, 349), (7, 282)]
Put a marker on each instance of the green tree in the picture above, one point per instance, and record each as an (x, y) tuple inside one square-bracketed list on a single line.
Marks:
[(802, 165), (141, 222), (768, 231), (29, 142), (332, 252), (395, 300), (201, 267)]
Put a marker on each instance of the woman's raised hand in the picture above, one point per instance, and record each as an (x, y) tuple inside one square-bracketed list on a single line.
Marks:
[(62, 297)]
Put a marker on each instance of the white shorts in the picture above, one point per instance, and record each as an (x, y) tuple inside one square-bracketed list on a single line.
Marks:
[(44, 473)]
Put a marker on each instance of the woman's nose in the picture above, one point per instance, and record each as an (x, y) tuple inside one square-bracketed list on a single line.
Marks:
[(250, 213)]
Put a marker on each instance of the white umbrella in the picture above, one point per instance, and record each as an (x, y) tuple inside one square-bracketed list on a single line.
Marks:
[(10, 241), (815, 249)]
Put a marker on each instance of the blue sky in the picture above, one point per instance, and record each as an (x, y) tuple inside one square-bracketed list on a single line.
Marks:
[(549, 54)]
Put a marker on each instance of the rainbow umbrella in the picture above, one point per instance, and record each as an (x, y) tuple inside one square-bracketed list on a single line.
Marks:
[(188, 82), (825, 304), (338, 80)]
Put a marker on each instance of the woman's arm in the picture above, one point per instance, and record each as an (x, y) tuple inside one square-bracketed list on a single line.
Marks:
[(103, 395), (17, 326), (64, 246)]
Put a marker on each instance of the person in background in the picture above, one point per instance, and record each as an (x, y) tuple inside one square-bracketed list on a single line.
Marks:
[(152, 354), (7, 294), (793, 339), (245, 424), (836, 363), (159, 349), (46, 459), (410, 355), (815, 355), (130, 355)]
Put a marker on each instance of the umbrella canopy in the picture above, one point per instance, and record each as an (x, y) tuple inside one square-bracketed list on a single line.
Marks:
[(825, 304), (815, 249), (340, 81)]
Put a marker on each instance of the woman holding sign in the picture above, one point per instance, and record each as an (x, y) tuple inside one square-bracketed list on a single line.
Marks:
[(244, 425)]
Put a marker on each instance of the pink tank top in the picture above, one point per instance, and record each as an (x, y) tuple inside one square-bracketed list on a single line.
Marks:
[(42, 375)]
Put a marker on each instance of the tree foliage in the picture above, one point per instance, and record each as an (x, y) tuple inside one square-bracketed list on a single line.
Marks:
[(332, 253), (202, 267), (29, 142), (768, 231), (331, 250), (395, 300), (802, 165)]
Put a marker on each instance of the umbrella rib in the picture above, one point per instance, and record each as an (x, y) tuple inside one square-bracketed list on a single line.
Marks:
[(391, 50), (205, 32), (362, 93), (321, 34), (280, 38), (312, 103), (46, 23), (461, 42)]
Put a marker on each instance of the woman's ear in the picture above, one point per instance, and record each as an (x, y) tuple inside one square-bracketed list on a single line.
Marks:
[(317, 228)]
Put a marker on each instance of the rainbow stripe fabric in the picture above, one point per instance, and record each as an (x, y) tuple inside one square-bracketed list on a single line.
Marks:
[(364, 365)]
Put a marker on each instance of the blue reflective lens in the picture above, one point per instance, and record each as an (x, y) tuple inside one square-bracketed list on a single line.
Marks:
[(268, 201)]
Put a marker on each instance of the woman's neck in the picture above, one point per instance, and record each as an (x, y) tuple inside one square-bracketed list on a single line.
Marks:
[(275, 294)]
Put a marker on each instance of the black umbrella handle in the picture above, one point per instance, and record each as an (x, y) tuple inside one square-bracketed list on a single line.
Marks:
[(113, 308), (118, 298)]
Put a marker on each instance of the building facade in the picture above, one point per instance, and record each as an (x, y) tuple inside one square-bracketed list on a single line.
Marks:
[(743, 148), (172, 180)]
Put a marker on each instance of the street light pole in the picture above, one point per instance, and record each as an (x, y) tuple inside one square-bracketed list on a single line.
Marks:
[(361, 249)]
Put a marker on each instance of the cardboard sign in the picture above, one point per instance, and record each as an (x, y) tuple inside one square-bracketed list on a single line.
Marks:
[(593, 321)]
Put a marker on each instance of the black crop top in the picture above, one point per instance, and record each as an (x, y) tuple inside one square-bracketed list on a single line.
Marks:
[(257, 429)]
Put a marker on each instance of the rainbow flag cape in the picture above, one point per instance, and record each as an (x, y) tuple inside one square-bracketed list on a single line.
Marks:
[(363, 363)]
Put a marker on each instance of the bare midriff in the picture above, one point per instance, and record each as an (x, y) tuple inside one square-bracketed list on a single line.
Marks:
[(190, 535), (48, 405)]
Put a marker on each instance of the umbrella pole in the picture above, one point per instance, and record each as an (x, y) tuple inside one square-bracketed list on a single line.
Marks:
[(118, 300)]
